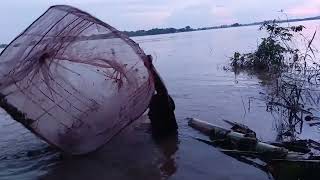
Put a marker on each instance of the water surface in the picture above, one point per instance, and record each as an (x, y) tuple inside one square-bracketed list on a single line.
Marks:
[(191, 64)]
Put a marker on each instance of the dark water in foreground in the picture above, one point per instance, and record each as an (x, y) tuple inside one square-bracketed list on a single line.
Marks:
[(192, 66)]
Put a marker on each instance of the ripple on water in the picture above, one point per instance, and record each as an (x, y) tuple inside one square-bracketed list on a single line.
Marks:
[(22, 155)]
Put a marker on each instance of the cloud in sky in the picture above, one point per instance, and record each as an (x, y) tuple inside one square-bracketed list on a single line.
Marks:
[(310, 8), (146, 14)]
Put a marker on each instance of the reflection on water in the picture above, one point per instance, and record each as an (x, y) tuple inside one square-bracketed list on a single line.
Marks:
[(169, 147), (284, 169), (191, 64), (278, 169), (131, 155)]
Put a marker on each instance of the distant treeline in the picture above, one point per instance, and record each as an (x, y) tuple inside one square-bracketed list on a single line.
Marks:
[(188, 28), (284, 21), (173, 30), (155, 31)]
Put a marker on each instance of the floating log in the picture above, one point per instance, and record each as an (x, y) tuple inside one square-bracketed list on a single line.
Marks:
[(251, 144)]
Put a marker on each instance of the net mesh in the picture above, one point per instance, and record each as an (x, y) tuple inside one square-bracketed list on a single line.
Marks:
[(78, 80)]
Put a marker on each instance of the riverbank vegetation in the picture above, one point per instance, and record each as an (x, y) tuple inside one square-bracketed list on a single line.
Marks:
[(290, 62), (273, 54)]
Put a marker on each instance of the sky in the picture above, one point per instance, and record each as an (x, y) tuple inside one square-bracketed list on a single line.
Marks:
[(146, 14)]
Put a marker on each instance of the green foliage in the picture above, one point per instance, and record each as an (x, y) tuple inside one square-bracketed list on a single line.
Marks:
[(158, 31), (273, 53), (292, 84), (235, 25)]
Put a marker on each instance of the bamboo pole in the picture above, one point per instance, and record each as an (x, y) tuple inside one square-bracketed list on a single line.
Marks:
[(217, 132)]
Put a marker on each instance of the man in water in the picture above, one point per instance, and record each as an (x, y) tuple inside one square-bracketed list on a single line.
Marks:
[(161, 107)]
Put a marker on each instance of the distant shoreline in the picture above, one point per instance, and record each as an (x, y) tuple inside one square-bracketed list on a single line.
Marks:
[(157, 31)]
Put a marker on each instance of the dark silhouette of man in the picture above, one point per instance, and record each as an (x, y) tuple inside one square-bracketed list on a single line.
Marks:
[(161, 107)]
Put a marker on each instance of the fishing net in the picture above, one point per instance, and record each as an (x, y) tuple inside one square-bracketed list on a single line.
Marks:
[(74, 80)]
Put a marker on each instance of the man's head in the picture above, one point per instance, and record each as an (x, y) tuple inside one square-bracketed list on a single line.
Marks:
[(148, 62), (150, 58)]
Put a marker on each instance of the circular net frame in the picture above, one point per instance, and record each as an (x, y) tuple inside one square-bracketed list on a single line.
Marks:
[(74, 80)]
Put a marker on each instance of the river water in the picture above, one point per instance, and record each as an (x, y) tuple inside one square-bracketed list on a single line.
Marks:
[(191, 65)]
